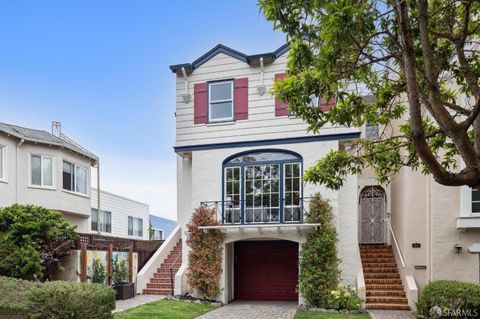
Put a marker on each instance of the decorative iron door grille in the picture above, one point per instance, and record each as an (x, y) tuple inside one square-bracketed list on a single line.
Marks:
[(372, 215)]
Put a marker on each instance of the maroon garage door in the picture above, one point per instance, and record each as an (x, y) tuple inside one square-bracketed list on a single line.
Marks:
[(266, 270)]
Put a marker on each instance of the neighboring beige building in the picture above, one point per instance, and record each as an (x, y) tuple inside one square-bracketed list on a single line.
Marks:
[(40, 168)]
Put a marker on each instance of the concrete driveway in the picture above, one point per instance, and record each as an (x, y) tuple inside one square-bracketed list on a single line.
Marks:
[(254, 310)]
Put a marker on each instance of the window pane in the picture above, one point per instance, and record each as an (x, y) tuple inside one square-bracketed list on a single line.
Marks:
[(94, 219), (108, 222), (47, 171), (221, 91), (263, 156), (140, 227), (80, 180), (67, 176), (221, 111), (36, 166), (475, 207), (130, 226), (475, 195)]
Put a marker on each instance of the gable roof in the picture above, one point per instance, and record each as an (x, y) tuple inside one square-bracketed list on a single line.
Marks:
[(220, 48), (44, 137)]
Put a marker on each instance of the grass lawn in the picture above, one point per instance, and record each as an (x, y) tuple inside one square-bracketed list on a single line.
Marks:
[(302, 314), (165, 309)]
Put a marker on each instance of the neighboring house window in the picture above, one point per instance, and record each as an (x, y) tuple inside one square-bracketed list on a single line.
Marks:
[(74, 178), (157, 234), (101, 222), (220, 101), (371, 131), (41, 170), (135, 226), (475, 201), (272, 180), (3, 167)]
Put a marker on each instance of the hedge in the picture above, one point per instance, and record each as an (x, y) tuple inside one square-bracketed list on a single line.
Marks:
[(449, 297), (56, 299)]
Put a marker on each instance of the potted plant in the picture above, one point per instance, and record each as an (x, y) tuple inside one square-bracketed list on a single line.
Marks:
[(120, 272), (99, 272)]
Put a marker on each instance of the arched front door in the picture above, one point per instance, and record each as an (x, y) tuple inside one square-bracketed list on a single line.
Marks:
[(372, 215)]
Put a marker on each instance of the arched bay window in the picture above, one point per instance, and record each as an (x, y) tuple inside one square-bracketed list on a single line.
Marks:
[(262, 186)]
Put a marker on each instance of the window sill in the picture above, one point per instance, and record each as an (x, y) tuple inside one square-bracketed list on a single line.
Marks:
[(468, 222), (47, 188), (3, 181), (102, 233), (75, 193), (221, 123)]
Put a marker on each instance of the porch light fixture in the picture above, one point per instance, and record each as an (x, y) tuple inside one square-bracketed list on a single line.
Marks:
[(458, 248), (185, 95), (261, 88)]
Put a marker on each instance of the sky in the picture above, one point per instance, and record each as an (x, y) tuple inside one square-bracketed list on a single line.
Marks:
[(101, 69)]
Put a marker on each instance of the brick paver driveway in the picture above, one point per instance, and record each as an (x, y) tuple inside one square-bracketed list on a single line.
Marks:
[(254, 310)]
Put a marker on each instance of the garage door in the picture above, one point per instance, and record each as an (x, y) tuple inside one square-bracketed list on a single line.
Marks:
[(266, 270)]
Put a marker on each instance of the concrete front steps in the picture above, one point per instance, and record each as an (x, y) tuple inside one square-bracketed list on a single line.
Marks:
[(161, 282), (384, 288)]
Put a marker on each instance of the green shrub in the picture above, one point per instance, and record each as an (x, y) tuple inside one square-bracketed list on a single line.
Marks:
[(99, 272), (55, 300), (33, 240), (448, 296), (205, 257), (62, 300), (120, 272), (344, 298), (319, 273), (14, 295)]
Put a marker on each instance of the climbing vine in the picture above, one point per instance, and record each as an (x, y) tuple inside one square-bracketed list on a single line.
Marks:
[(319, 273), (205, 257)]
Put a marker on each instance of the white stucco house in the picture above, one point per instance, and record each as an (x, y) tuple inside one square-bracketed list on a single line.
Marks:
[(41, 168), (241, 152)]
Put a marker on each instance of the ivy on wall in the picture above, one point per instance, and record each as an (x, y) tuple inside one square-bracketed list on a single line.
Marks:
[(319, 273), (205, 257)]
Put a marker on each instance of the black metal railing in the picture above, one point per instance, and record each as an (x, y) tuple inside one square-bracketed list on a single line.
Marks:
[(242, 212)]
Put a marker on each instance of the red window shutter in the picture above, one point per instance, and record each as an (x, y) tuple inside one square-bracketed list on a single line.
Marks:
[(200, 103), (241, 99), (281, 108), (328, 106)]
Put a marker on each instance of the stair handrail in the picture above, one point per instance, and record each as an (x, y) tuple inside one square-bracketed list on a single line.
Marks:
[(397, 247), (171, 271)]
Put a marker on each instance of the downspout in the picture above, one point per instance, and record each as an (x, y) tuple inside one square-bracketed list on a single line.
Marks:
[(17, 170)]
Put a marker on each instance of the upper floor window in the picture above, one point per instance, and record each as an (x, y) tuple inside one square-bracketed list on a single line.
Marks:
[(41, 170), (475, 201), (101, 221), (74, 178), (3, 167), (220, 101), (157, 234), (371, 131), (135, 226)]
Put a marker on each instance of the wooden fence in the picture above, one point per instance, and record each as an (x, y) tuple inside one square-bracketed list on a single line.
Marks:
[(144, 248)]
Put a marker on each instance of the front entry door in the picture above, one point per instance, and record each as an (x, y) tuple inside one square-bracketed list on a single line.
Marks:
[(372, 215)]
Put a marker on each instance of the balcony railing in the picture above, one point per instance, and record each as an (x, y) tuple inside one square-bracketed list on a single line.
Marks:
[(235, 213)]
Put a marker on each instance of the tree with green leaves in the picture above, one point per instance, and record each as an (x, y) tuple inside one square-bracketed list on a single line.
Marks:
[(33, 241), (419, 61)]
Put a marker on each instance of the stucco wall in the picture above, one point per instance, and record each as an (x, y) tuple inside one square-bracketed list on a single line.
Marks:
[(200, 179)]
